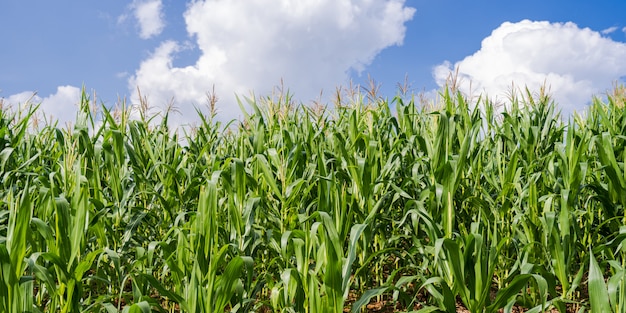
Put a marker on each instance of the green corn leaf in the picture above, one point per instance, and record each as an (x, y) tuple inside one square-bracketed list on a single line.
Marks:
[(268, 175), (164, 291), (366, 297), (19, 222), (346, 272), (227, 282), (85, 264), (598, 294), (510, 291), (140, 307)]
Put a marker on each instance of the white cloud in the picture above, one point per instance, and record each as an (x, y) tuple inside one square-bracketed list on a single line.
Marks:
[(251, 45), (22, 98), (149, 15), (575, 63), (624, 30), (122, 74), (609, 30), (60, 106)]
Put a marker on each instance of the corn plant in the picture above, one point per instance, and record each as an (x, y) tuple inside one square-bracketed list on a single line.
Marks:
[(419, 207)]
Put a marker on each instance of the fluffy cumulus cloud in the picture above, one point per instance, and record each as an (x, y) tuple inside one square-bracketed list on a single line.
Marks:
[(251, 45), (149, 15), (575, 63), (60, 106)]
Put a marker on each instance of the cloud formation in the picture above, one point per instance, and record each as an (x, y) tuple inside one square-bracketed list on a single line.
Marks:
[(609, 30), (60, 106), (576, 63), (149, 15), (244, 45)]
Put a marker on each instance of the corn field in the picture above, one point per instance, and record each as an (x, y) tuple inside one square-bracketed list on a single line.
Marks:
[(375, 205)]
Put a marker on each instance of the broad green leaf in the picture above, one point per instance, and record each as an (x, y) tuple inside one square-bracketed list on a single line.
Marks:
[(598, 294)]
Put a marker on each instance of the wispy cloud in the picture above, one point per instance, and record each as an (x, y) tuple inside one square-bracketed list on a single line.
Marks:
[(609, 30), (576, 63), (252, 45)]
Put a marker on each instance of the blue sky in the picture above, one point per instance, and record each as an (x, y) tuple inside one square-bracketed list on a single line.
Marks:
[(179, 50)]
